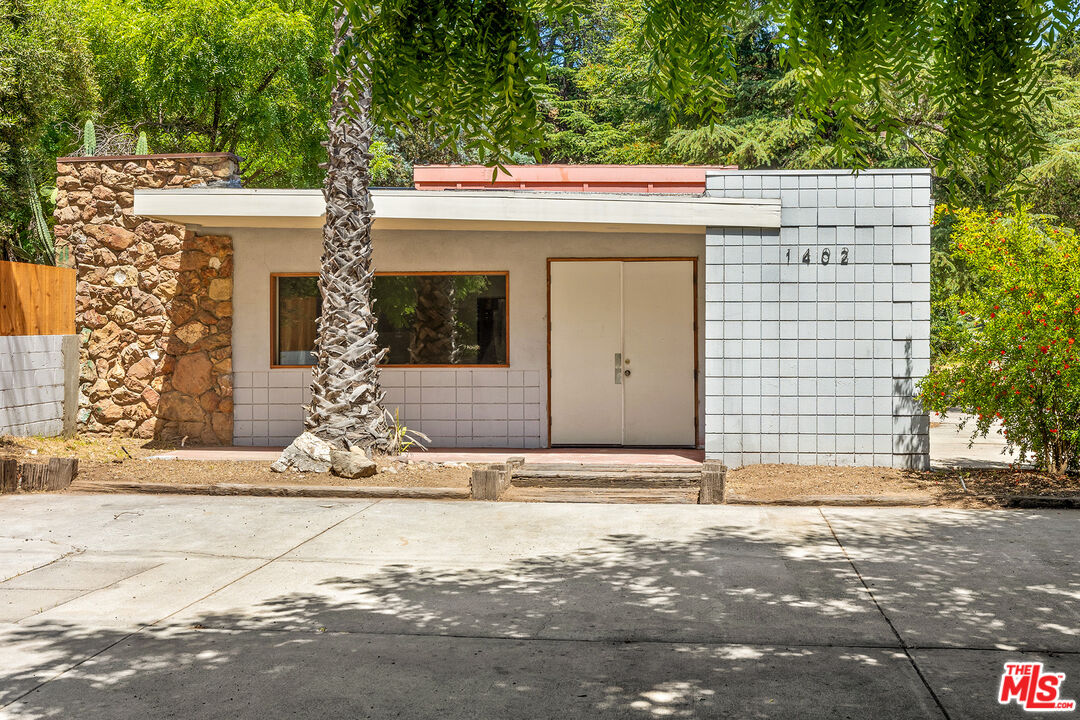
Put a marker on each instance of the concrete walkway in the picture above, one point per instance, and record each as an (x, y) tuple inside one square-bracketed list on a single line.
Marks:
[(952, 447), (588, 456), (191, 607), (948, 448)]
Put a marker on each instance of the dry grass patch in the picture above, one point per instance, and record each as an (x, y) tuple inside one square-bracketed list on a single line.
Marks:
[(108, 459)]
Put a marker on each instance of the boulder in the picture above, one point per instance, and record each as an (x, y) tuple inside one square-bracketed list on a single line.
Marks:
[(111, 236), (351, 464), (192, 374), (180, 407), (220, 288), (191, 333), (306, 453), (105, 342)]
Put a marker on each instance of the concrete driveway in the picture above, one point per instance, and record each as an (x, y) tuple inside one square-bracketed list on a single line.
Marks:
[(124, 606)]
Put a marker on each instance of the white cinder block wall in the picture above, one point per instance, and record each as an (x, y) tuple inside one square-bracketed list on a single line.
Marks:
[(32, 384), (815, 362)]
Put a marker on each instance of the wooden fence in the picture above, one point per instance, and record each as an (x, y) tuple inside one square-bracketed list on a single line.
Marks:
[(36, 299)]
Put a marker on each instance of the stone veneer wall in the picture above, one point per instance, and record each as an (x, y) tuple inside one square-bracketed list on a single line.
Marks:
[(153, 301)]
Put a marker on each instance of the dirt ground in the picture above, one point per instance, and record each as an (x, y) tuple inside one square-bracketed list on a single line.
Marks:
[(777, 482), (128, 460)]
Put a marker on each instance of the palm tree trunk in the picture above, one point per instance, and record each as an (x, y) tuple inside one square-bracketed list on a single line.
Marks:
[(346, 402)]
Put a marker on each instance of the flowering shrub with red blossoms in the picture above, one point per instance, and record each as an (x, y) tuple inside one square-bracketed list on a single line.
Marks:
[(1017, 349)]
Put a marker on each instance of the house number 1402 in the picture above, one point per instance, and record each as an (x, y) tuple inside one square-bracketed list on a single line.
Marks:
[(826, 256)]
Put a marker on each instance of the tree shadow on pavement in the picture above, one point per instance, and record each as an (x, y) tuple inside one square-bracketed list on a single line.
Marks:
[(730, 621)]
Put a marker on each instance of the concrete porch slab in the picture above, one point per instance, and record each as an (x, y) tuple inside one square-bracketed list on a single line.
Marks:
[(593, 456)]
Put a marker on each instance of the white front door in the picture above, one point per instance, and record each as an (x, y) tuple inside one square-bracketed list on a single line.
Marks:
[(622, 352)]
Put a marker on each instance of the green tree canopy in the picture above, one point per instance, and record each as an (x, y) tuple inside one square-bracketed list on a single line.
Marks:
[(861, 75), (45, 79), (244, 76)]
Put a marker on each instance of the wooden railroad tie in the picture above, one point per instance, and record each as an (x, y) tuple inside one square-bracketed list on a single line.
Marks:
[(55, 474)]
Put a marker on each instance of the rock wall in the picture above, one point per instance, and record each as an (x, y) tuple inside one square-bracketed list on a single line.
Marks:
[(153, 300)]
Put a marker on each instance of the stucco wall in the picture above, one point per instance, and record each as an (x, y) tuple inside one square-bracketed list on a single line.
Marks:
[(816, 363), (483, 407), (38, 384)]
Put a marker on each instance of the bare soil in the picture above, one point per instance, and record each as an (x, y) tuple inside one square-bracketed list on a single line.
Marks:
[(776, 482), (129, 460), (779, 482)]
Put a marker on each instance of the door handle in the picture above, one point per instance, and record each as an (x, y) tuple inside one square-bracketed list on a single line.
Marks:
[(626, 373)]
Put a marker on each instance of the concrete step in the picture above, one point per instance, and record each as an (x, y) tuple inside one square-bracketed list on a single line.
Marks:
[(687, 469), (568, 475), (622, 495), (603, 480)]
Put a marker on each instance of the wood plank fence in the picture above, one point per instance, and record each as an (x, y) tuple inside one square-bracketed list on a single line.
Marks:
[(36, 299)]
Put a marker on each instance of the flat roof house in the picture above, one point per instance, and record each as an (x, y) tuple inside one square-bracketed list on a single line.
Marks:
[(767, 316)]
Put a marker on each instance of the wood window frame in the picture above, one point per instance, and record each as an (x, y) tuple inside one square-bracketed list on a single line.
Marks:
[(274, 318), (506, 330)]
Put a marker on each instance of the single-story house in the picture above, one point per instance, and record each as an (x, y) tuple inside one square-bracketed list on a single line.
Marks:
[(767, 316)]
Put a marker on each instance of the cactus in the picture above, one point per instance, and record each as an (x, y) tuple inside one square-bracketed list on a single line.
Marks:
[(41, 228), (89, 139), (140, 144)]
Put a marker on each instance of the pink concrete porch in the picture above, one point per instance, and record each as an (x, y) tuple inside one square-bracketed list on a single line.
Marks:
[(593, 456)]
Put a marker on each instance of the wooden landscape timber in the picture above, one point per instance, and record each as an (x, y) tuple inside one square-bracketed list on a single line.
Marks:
[(712, 483), (372, 492), (55, 474)]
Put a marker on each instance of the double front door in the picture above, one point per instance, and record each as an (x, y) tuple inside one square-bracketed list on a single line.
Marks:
[(622, 352)]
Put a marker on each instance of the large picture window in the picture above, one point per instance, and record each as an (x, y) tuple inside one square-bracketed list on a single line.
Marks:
[(423, 318)]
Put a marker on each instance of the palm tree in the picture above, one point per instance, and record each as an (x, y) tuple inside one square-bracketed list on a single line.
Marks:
[(346, 403)]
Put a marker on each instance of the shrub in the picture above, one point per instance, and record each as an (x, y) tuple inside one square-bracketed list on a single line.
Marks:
[(1013, 355)]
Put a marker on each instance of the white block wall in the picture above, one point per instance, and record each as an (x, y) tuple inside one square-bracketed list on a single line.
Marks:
[(495, 407), (814, 363), (31, 385)]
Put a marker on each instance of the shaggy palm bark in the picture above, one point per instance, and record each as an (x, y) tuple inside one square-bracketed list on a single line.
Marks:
[(346, 402)]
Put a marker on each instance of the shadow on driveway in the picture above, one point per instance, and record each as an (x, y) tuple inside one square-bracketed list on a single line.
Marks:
[(735, 621)]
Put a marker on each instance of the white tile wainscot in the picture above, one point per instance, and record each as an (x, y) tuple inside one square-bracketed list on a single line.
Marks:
[(468, 407)]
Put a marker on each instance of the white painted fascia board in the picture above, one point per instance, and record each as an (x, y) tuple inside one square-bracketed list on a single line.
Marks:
[(234, 207)]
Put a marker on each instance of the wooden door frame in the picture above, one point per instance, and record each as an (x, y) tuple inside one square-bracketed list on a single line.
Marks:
[(697, 371)]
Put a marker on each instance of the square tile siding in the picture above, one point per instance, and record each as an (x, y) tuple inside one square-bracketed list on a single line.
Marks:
[(816, 335), (495, 407)]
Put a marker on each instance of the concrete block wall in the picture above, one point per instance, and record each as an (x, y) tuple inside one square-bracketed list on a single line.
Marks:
[(38, 384), (467, 407), (815, 335)]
